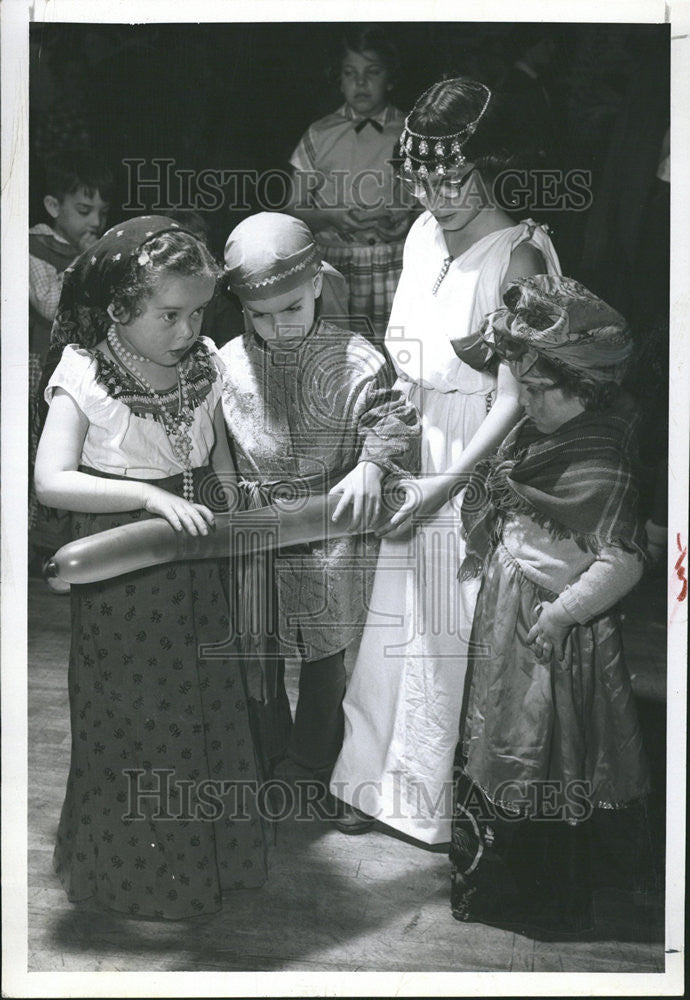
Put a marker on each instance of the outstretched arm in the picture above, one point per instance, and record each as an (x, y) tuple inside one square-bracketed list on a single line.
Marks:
[(424, 497), (389, 428)]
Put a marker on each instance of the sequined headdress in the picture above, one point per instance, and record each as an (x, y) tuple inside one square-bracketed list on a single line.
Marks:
[(434, 154)]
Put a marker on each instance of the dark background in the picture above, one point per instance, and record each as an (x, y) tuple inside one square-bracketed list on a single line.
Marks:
[(239, 96)]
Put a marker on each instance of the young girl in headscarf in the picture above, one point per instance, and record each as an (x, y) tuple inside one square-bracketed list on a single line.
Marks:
[(551, 745), (405, 694), (159, 734)]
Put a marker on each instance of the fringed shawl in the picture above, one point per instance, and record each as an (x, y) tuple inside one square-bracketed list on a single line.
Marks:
[(577, 482)]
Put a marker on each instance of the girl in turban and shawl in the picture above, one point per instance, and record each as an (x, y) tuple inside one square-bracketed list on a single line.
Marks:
[(549, 728)]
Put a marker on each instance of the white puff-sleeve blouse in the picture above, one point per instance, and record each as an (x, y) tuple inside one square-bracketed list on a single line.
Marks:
[(124, 436)]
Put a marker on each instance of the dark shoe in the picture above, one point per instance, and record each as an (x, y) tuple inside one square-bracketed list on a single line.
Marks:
[(487, 894), (461, 893), (352, 821)]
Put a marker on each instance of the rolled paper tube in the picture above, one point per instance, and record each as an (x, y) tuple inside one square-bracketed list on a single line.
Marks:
[(153, 542)]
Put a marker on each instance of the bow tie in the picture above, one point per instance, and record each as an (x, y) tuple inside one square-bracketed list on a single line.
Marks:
[(368, 121)]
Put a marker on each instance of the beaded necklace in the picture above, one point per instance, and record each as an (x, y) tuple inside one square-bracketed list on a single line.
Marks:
[(442, 273), (176, 425)]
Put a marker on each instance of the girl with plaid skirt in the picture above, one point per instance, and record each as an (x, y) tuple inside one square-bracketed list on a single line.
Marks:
[(344, 184)]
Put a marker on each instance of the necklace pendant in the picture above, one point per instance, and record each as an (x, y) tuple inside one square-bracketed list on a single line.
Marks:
[(188, 485)]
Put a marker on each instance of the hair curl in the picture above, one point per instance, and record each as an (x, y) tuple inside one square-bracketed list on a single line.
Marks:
[(594, 396), (174, 252)]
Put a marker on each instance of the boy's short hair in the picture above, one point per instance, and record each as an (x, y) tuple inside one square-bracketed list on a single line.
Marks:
[(68, 172)]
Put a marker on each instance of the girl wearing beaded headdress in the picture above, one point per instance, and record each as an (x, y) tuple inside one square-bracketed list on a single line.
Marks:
[(133, 425), (404, 698)]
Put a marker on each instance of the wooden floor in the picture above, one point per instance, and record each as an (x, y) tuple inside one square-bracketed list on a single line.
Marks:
[(367, 903)]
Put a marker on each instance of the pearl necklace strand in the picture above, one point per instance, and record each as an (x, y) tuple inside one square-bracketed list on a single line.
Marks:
[(176, 425)]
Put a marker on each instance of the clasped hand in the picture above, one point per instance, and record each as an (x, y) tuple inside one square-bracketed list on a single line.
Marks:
[(386, 223), (550, 632), (360, 493), (422, 498)]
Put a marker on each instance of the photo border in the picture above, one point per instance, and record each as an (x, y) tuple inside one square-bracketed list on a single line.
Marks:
[(15, 90)]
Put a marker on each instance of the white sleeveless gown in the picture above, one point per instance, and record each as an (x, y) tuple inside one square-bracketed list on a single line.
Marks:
[(403, 702)]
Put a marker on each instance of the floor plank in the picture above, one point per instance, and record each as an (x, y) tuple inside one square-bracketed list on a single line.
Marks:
[(368, 903)]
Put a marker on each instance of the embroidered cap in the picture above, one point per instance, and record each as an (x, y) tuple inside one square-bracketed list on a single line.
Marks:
[(268, 254)]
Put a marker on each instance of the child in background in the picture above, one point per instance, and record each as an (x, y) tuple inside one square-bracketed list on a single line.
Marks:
[(77, 191), (134, 422), (551, 751), (344, 185), (309, 409)]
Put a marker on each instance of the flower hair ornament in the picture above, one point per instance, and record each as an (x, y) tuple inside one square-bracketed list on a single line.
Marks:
[(425, 154)]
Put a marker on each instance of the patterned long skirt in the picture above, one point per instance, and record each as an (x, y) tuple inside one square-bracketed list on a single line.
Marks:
[(160, 815)]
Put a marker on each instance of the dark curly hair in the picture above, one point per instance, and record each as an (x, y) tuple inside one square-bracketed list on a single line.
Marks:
[(594, 396), (174, 252), (449, 105), (68, 171)]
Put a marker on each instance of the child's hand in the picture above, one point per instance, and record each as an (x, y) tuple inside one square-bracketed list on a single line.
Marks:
[(346, 222), (386, 223), (372, 215), (362, 488), (423, 497), (193, 518), (549, 632)]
